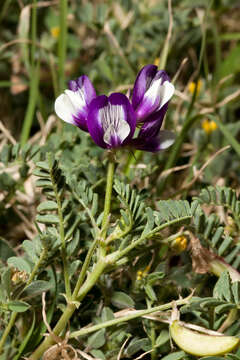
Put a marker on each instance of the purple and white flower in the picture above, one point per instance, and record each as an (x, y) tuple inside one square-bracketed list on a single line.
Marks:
[(73, 105), (111, 121), (151, 93)]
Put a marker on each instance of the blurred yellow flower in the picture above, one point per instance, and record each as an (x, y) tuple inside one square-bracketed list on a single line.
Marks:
[(142, 274), (180, 243), (55, 31), (156, 61), (209, 126), (139, 275), (192, 85)]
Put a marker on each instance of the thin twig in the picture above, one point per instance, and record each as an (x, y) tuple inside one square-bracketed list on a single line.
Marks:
[(174, 169), (56, 338), (122, 348), (6, 132), (228, 99), (184, 61), (142, 355), (199, 172)]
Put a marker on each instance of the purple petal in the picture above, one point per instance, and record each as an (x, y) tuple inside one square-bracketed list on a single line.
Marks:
[(81, 93), (161, 74), (94, 122), (83, 83), (87, 87), (162, 141), (72, 85), (157, 95), (148, 105), (111, 121), (153, 123), (142, 82)]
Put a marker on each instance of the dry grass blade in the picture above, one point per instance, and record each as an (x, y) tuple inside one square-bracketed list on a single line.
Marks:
[(199, 172), (7, 133)]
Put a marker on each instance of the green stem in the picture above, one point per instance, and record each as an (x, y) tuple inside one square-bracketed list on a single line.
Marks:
[(7, 330), (61, 324), (152, 335), (33, 94), (84, 268), (61, 232), (34, 32), (63, 249), (112, 258), (133, 315), (36, 267), (92, 278), (108, 196), (62, 44), (57, 330)]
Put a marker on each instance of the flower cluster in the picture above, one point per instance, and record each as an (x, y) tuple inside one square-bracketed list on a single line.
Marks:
[(112, 121)]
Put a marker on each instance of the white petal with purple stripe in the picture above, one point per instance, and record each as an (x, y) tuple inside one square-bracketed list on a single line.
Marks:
[(115, 127)]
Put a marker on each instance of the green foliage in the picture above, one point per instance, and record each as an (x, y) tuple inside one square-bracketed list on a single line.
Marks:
[(52, 189), (211, 230)]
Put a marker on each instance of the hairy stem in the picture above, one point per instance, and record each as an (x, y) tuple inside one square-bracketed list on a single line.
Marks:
[(112, 258), (84, 269), (133, 315), (71, 307), (108, 196), (36, 267)]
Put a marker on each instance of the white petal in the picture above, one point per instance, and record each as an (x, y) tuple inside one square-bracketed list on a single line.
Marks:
[(167, 138), (64, 108), (153, 90), (69, 104), (123, 130), (77, 98), (114, 123), (166, 91)]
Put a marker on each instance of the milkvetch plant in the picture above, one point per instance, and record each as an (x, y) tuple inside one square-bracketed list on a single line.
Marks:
[(94, 216), (89, 236)]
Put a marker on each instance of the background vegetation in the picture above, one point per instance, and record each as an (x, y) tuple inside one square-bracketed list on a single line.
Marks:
[(52, 176)]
